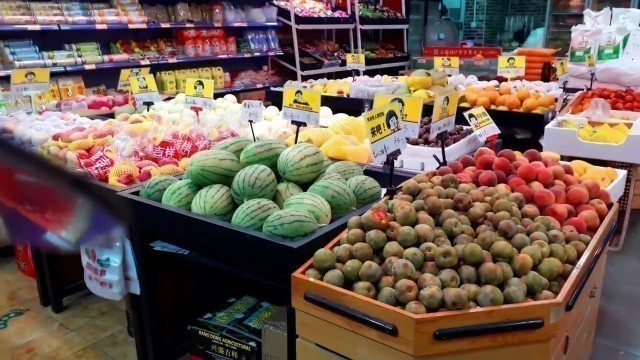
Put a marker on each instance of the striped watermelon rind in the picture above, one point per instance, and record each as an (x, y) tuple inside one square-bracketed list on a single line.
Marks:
[(327, 163), (331, 176), (347, 169), (290, 224), (253, 213), (315, 204), (154, 188), (365, 188), (338, 195), (301, 163), (180, 194), (265, 152), (285, 190), (234, 145), (254, 182), (213, 167), (214, 201)]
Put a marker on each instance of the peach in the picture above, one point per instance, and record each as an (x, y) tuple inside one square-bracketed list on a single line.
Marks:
[(514, 182), (95, 150), (455, 166), (485, 162), (507, 154), (584, 207), (502, 164), (470, 169), (560, 195), (168, 161), (535, 186), (605, 196), (558, 172), (559, 184), (527, 172), (502, 178), (600, 207), (488, 178), (543, 198), (483, 151), (591, 219), (578, 223), (464, 178), (557, 211), (516, 165), (144, 175), (522, 159), (444, 171), (502, 187), (532, 155), (537, 164), (476, 177), (567, 169), (545, 176), (577, 196), (570, 180), (78, 136), (592, 187), (467, 160), (571, 211), (526, 191)]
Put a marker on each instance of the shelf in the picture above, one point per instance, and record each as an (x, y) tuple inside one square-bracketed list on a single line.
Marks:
[(7, 27), (315, 71), (53, 70), (185, 59), (318, 26), (384, 27), (387, 65), (172, 25)]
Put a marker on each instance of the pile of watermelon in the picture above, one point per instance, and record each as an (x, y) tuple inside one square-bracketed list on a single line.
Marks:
[(265, 186)]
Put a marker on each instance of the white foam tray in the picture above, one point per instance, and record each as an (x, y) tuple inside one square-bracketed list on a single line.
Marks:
[(420, 158)]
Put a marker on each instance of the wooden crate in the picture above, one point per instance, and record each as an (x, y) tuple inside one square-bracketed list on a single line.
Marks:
[(332, 317)]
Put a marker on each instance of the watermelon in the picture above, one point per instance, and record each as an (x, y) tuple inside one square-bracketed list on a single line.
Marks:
[(338, 195), (180, 194), (327, 163), (346, 169), (331, 176), (234, 145), (253, 213), (285, 190), (213, 167), (214, 201), (301, 163), (290, 224), (265, 152), (365, 188), (313, 203), (253, 182), (156, 186)]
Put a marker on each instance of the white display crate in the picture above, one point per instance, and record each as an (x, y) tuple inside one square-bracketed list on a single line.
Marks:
[(420, 158)]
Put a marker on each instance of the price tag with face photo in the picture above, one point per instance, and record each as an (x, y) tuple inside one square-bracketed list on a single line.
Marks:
[(450, 64), (30, 81), (385, 131), (444, 114), (301, 105), (562, 66), (511, 66), (199, 93), (144, 89), (590, 61), (482, 123), (125, 74), (251, 111), (355, 62), (410, 110)]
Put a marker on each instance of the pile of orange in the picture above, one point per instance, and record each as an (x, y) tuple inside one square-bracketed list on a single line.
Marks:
[(504, 99)]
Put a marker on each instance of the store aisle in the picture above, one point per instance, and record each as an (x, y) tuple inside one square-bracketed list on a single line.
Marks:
[(618, 329), (93, 328)]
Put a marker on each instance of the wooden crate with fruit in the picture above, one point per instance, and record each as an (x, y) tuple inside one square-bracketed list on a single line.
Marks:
[(456, 267)]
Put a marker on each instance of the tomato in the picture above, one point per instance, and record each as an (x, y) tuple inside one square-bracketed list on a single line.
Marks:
[(629, 106), (628, 99), (606, 94), (629, 91), (618, 106)]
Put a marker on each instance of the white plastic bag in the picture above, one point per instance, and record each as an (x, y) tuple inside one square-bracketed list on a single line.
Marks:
[(104, 267), (584, 40)]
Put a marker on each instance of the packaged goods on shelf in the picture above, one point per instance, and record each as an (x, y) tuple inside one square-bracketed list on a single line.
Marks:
[(377, 11), (39, 12), (310, 8)]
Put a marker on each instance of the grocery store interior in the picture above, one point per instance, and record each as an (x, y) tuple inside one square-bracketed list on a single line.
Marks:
[(319, 179)]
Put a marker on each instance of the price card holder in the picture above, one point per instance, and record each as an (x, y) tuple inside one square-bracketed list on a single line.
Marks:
[(445, 108), (562, 66), (301, 107), (356, 62), (144, 89), (410, 110), (124, 83), (450, 64), (590, 61), (199, 93), (511, 66), (30, 81), (384, 127), (482, 124), (251, 113)]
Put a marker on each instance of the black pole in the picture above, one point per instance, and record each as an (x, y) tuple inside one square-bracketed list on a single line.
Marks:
[(148, 104), (444, 155), (253, 134)]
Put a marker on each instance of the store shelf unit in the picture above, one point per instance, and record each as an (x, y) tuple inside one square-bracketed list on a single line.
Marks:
[(166, 25)]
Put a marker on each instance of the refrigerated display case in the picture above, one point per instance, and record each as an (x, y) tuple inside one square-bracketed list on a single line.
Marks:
[(564, 14)]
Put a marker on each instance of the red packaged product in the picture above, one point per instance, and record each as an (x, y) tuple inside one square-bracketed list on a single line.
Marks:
[(232, 49), (215, 47)]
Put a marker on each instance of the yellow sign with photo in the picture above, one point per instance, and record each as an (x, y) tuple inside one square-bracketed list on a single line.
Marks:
[(201, 88), (511, 66), (444, 113), (384, 126), (355, 62), (410, 110), (125, 74), (450, 64), (301, 105), (143, 84), (562, 66), (590, 61), (482, 123), (30, 76)]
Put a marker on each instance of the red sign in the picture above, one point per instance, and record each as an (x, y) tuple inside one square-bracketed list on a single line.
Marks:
[(462, 52), (97, 165), (224, 135)]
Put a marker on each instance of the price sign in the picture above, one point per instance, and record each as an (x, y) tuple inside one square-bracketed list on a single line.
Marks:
[(199, 93), (301, 105), (125, 74), (590, 61), (511, 66), (410, 110), (251, 111), (144, 89), (385, 131), (450, 64), (444, 114), (30, 80), (482, 124), (562, 66), (355, 62)]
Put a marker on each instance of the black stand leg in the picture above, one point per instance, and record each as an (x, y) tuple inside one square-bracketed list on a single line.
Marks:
[(141, 305), (56, 293), (41, 278)]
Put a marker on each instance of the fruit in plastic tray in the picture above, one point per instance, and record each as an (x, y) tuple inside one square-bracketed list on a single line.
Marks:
[(621, 100)]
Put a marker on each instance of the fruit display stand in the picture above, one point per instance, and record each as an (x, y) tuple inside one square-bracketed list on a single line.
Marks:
[(354, 326)]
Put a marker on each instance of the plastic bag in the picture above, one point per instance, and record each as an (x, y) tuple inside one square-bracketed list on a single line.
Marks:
[(584, 40), (104, 267)]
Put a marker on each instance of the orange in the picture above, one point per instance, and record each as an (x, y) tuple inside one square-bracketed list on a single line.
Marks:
[(523, 94), (502, 99), (503, 108), (493, 96), (529, 105), (547, 100), (505, 89), (471, 97), (513, 103), (484, 102)]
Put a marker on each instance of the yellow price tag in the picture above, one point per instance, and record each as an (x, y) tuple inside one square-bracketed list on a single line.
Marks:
[(410, 110), (444, 113), (356, 62), (590, 60), (30, 80), (562, 66), (301, 105), (144, 89), (511, 66), (125, 74), (384, 127), (482, 123), (450, 65)]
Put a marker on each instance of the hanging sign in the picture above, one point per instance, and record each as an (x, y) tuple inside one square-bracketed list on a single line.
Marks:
[(410, 110), (384, 127)]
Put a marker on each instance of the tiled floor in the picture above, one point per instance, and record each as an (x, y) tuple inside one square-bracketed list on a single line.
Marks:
[(92, 328)]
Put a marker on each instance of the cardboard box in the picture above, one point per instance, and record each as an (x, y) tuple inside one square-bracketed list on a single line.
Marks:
[(274, 336), (232, 333)]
